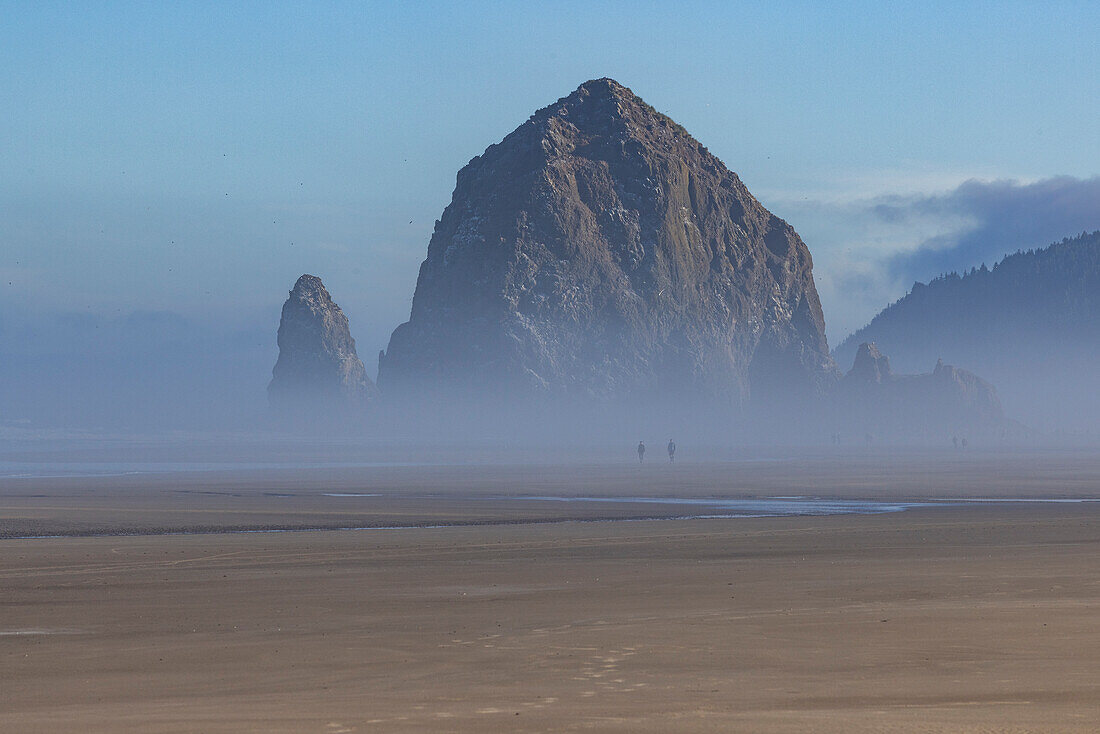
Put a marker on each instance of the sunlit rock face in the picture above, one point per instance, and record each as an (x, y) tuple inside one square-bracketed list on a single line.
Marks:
[(600, 253), (317, 366)]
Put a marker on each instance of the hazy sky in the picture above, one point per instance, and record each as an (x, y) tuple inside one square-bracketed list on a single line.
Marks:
[(196, 158)]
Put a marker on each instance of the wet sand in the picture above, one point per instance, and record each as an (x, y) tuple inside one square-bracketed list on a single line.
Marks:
[(964, 618)]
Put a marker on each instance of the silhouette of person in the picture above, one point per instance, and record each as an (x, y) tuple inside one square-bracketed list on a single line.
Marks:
[(955, 440), (641, 451), (964, 443), (671, 451)]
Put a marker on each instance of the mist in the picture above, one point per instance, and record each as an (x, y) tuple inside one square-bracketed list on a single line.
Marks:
[(146, 370)]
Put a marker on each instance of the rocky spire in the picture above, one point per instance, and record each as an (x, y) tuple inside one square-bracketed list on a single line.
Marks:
[(317, 362), (871, 365)]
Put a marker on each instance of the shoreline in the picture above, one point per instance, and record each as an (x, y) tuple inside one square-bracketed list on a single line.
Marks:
[(827, 508)]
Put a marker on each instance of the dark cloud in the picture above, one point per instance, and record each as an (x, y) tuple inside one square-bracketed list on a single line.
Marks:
[(1002, 216)]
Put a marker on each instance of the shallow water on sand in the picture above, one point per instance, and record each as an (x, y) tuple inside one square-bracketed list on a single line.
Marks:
[(673, 508), (765, 507)]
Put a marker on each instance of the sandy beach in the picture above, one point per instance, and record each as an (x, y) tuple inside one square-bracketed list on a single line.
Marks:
[(549, 615)]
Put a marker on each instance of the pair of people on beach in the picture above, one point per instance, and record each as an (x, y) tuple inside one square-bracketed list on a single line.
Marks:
[(671, 451)]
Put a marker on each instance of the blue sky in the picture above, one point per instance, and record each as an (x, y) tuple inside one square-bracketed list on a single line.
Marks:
[(195, 158)]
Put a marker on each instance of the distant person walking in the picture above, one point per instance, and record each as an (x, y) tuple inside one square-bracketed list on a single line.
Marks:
[(641, 452), (671, 451), (955, 440)]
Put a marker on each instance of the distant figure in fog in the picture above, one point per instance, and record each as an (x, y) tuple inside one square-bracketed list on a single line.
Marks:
[(964, 443), (671, 451), (955, 440), (641, 451)]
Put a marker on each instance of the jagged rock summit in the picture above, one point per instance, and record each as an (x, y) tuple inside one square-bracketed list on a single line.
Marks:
[(601, 252), (317, 365)]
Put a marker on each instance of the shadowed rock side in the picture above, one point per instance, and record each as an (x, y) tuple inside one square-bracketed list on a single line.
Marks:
[(317, 365), (600, 253), (873, 401)]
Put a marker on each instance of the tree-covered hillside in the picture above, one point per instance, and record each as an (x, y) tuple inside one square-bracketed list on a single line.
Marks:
[(1030, 324)]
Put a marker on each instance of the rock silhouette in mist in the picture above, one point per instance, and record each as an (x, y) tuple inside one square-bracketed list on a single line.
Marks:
[(317, 366), (870, 366), (875, 401), (600, 253)]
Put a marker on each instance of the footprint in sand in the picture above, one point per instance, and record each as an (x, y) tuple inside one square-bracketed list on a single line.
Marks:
[(607, 665)]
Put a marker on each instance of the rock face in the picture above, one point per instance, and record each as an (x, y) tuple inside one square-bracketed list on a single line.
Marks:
[(875, 401), (599, 252), (317, 362)]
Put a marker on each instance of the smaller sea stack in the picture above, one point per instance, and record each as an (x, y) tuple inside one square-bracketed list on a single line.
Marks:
[(318, 367)]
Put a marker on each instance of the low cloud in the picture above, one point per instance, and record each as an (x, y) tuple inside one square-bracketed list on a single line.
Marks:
[(1000, 217), (869, 251)]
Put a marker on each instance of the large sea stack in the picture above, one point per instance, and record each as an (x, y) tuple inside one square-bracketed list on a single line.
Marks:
[(600, 254), (318, 367)]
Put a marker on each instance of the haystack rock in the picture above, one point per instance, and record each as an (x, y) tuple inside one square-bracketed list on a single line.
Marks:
[(317, 364), (599, 252)]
